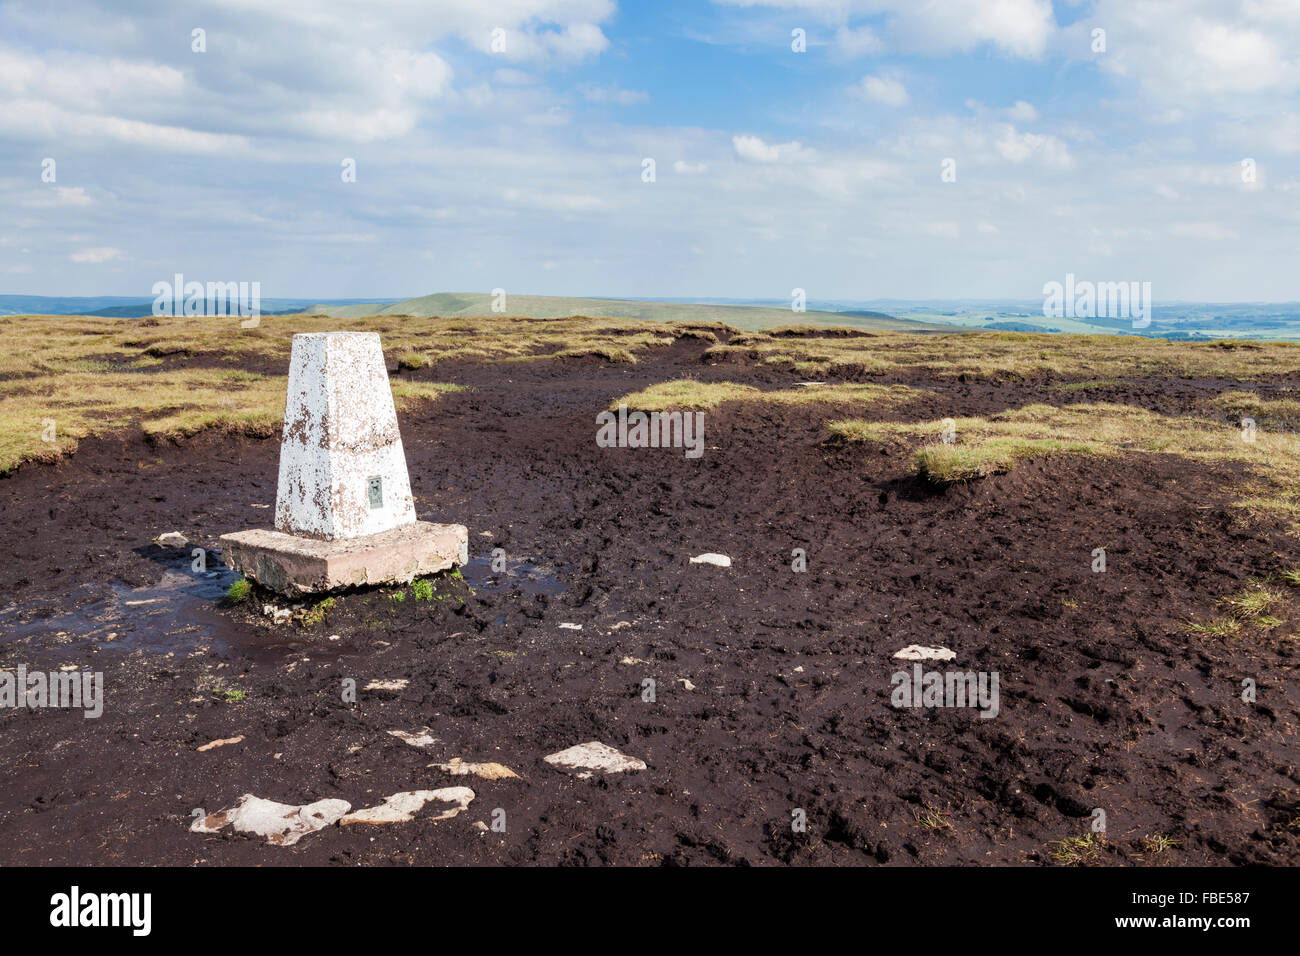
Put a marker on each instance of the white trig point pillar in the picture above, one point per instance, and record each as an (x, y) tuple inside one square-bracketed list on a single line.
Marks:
[(342, 469), (344, 515)]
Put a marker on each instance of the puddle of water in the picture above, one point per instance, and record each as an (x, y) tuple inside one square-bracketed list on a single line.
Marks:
[(528, 577), (181, 614), (178, 614)]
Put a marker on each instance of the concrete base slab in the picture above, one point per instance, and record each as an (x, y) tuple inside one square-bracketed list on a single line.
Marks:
[(294, 566)]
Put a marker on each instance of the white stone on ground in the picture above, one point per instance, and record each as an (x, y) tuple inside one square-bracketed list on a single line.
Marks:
[(396, 684), (488, 771), (173, 539), (719, 560), (915, 652), (282, 824), (594, 756), (401, 807), (421, 739)]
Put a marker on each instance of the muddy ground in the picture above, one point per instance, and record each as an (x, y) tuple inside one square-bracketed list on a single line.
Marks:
[(1106, 700)]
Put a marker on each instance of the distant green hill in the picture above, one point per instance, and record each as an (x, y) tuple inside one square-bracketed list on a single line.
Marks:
[(748, 317)]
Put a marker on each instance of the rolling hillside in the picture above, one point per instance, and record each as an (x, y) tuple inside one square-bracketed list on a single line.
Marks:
[(747, 317)]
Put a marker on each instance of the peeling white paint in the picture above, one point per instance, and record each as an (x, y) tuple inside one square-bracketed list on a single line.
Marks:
[(340, 431)]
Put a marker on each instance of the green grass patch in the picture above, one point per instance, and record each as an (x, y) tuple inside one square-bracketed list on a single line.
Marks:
[(317, 612), (239, 591)]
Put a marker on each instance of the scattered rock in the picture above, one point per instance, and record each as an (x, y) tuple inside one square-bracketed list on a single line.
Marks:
[(221, 743), (278, 615), (915, 652), (719, 560), (481, 826), (173, 539), (488, 771), (396, 684), (281, 823), (571, 627), (402, 807), (421, 739), (634, 660), (594, 756), (686, 683)]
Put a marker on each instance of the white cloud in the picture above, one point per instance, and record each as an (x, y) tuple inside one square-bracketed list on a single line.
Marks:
[(61, 196), (1017, 27), (854, 43), (1198, 53), (689, 169), (883, 89), (1016, 147), (1202, 230), (1021, 112), (755, 150), (557, 202), (97, 255)]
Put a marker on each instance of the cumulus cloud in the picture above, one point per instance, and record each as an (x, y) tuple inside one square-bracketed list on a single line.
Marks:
[(1021, 112), (1017, 147), (755, 150), (1020, 28), (1198, 50), (885, 90), (853, 43)]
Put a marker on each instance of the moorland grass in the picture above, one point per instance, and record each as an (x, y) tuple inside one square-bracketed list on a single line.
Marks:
[(689, 394), (64, 378), (993, 444), (178, 376)]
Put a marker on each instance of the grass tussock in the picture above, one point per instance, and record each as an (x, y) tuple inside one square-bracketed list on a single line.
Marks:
[(318, 612), (1251, 607), (1076, 850), (613, 354), (990, 445), (1159, 843), (239, 591), (689, 394), (948, 464)]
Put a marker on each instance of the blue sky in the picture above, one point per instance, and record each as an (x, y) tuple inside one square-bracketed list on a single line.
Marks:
[(521, 167)]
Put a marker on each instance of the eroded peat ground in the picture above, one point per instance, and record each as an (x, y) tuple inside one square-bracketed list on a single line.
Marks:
[(1108, 698)]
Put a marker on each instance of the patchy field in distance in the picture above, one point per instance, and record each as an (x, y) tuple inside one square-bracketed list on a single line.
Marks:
[(946, 490)]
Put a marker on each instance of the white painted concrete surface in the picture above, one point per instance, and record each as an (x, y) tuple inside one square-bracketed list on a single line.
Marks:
[(340, 432)]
